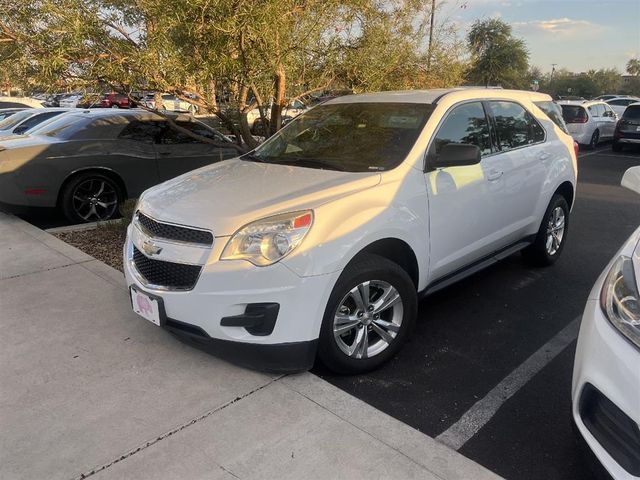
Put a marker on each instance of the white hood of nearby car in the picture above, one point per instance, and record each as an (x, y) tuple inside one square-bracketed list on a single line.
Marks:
[(225, 196)]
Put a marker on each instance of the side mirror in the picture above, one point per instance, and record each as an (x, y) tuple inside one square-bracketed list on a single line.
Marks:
[(631, 179), (458, 155)]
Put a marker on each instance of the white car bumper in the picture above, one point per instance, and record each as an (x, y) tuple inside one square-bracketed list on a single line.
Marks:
[(238, 293), (606, 392)]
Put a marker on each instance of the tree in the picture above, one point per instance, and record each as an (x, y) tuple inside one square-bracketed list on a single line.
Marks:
[(633, 67), (227, 57), (497, 58)]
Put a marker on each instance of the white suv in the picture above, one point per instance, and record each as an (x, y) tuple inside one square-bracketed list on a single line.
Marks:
[(322, 240)]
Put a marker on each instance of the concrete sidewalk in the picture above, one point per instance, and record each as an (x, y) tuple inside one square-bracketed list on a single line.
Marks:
[(89, 389)]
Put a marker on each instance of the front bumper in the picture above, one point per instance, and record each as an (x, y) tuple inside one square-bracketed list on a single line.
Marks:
[(224, 290), (606, 376)]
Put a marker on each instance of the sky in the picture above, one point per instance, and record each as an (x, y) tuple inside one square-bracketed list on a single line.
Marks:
[(578, 35)]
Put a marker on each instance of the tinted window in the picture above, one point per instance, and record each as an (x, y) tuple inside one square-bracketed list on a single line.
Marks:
[(515, 127), (632, 113), (171, 136), (63, 127), (554, 112), (141, 131), (621, 102), (37, 119), (465, 124), (14, 120), (355, 137), (574, 114)]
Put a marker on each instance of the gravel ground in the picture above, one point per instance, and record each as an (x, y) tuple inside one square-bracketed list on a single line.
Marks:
[(103, 243)]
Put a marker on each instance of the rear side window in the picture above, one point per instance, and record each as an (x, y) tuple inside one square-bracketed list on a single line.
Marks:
[(574, 114), (632, 113), (145, 131), (515, 127), (597, 110), (171, 136), (465, 124), (554, 112), (621, 102)]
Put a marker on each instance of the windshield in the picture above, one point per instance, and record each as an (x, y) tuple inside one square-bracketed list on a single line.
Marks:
[(632, 113), (15, 119), (354, 137)]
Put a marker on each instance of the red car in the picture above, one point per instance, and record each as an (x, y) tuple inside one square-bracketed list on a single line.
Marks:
[(116, 100)]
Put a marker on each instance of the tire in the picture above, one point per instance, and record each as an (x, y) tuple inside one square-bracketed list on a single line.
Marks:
[(383, 277), (83, 192), (540, 253), (595, 138), (115, 105), (616, 147)]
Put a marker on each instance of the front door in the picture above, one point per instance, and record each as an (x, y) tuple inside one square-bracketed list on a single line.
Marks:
[(460, 203)]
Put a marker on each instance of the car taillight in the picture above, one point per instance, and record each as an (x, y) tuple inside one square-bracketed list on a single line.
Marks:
[(576, 148), (582, 119)]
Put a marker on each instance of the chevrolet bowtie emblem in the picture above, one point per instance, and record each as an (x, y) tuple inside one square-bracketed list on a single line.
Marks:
[(151, 248)]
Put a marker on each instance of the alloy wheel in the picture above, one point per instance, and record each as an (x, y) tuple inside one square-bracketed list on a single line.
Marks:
[(368, 319), (555, 231), (95, 199)]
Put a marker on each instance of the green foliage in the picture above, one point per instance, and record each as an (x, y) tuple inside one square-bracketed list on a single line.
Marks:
[(633, 67), (497, 58)]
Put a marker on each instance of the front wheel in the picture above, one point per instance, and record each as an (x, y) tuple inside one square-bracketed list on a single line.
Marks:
[(370, 312), (595, 139), (551, 236)]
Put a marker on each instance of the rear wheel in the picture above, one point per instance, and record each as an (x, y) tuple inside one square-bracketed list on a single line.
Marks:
[(552, 234), (595, 138), (91, 197), (370, 312)]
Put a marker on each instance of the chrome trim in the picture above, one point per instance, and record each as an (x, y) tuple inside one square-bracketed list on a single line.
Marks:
[(151, 286), (149, 234)]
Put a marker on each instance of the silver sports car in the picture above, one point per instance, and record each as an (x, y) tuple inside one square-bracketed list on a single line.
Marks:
[(87, 162)]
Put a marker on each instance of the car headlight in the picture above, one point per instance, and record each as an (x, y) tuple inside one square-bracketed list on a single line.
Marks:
[(269, 240), (620, 300)]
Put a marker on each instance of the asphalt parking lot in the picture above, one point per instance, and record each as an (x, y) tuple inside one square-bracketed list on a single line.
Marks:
[(504, 339)]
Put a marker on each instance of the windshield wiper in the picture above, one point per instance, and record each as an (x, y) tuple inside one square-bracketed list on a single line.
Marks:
[(310, 163), (252, 158)]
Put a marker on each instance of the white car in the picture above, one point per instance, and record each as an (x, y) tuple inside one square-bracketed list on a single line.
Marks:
[(589, 122), (291, 111), (170, 103), (606, 374), (620, 104), (322, 240)]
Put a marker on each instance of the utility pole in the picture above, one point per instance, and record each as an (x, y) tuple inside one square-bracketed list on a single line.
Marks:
[(433, 12)]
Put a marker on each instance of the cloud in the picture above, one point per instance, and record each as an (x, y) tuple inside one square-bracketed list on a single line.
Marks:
[(560, 26)]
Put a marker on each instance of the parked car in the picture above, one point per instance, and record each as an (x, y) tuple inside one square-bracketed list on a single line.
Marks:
[(80, 100), (619, 104), (627, 129), (589, 122), (19, 102), (116, 100), (22, 121), (291, 111), (89, 161), (170, 103), (606, 373), (7, 112), (604, 98), (322, 239)]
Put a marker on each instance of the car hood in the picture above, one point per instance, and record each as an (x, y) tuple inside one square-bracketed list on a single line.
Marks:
[(225, 196)]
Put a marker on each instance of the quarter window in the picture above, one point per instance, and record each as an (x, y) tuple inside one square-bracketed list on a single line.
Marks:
[(467, 124), (141, 131), (515, 127)]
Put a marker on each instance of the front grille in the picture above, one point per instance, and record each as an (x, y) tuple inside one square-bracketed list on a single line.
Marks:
[(174, 232), (166, 274)]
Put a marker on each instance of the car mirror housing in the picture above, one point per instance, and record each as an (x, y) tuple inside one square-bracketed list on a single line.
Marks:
[(631, 179), (458, 155)]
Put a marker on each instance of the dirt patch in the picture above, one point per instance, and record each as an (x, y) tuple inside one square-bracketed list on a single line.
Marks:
[(102, 243)]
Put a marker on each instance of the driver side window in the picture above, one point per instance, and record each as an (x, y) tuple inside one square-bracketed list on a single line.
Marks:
[(465, 124)]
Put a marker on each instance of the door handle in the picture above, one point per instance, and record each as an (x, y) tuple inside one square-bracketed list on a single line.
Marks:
[(494, 175), (165, 154)]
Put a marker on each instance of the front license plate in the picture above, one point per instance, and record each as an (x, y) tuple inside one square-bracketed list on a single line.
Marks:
[(145, 306), (637, 129)]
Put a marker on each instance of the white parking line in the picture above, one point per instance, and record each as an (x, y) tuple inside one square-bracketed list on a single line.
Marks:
[(484, 409)]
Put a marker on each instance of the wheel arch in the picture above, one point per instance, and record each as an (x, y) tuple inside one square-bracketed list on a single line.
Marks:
[(106, 171), (397, 251), (567, 190)]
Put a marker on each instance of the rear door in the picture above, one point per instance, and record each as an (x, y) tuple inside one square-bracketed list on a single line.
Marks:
[(523, 151), (179, 153), (609, 120)]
